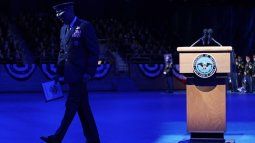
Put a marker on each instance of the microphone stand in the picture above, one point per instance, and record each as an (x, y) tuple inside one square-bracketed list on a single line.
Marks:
[(209, 31), (210, 38), (197, 41), (205, 31), (216, 42)]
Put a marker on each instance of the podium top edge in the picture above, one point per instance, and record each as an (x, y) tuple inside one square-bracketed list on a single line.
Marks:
[(205, 49)]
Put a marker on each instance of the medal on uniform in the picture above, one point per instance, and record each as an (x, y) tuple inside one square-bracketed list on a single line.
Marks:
[(77, 32)]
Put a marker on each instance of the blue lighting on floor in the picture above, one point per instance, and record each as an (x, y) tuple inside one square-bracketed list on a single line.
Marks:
[(122, 117)]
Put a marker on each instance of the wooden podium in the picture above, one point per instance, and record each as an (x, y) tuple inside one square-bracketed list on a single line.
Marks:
[(206, 92)]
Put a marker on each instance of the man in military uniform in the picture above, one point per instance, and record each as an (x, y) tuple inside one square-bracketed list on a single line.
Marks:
[(77, 63), (233, 82), (240, 70), (168, 72), (248, 74)]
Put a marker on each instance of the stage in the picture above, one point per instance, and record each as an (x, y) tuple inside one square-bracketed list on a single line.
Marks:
[(122, 117)]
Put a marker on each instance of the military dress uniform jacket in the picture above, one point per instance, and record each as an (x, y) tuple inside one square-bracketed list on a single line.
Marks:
[(248, 69), (240, 67), (79, 51), (253, 69)]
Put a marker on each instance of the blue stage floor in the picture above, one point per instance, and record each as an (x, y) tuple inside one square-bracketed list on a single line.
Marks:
[(123, 117)]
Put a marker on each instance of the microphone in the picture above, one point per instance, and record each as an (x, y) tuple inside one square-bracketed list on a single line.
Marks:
[(210, 31), (205, 31), (203, 38)]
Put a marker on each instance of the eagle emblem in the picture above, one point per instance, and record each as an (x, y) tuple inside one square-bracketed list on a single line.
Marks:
[(204, 66)]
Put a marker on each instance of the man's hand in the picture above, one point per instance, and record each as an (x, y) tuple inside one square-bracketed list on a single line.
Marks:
[(86, 77), (58, 79)]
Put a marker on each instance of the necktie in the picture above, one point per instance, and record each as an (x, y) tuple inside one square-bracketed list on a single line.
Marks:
[(67, 29)]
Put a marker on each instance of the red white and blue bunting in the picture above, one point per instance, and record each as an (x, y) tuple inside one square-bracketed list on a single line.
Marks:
[(20, 71), (102, 70), (25, 71), (49, 70), (151, 70)]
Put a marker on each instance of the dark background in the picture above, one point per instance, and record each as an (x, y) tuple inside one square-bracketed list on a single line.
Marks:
[(232, 21)]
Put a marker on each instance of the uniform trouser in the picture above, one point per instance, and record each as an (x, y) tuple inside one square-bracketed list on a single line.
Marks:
[(170, 83), (248, 83), (253, 84), (239, 80), (78, 102), (234, 81)]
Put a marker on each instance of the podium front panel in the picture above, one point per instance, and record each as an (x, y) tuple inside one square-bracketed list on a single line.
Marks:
[(206, 109)]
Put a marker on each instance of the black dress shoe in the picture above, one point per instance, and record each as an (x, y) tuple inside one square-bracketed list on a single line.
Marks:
[(50, 139)]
